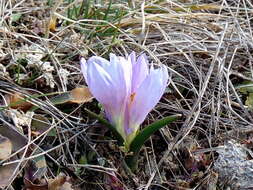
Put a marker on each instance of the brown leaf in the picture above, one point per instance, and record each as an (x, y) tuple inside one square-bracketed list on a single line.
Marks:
[(6, 173), (66, 186), (17, 101), (40, 124), (5, 147), (17, 139), (57, 183), (32, 186), (80, 95), (17, 142), (77, 95)]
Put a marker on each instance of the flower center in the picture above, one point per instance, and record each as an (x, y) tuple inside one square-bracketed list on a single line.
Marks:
[(132, 97)]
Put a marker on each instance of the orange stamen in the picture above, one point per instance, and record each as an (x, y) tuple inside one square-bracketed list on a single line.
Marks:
[(132, 97)]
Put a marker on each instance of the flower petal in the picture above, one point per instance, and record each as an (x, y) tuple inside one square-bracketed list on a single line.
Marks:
[(84, 68), (124, 71), (110, 84), (148, 95), (132, 58), (100, 82), (140, 71)]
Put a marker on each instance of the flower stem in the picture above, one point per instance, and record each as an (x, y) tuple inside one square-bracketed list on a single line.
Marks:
[(142, 137), (132, 161)]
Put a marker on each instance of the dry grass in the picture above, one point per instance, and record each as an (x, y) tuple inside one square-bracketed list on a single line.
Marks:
[(207, 46)]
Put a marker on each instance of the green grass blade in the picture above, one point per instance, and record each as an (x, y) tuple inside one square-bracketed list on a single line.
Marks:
[(140, 139), (108, 10), (144, 134)]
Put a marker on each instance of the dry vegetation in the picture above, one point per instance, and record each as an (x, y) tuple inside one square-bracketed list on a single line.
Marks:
[(207, 46)]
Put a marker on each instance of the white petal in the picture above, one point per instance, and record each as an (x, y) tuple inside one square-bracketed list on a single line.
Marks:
[(148, 95), (84, 68)]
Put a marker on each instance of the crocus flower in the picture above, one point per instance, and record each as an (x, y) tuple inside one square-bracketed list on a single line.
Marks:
[(126, 87)]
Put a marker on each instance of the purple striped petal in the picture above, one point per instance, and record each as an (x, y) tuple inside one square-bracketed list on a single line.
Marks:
[(140, 70), (110, 84), (147, 95), (126, 88), (121, 71), (100, 82), (132, 58)]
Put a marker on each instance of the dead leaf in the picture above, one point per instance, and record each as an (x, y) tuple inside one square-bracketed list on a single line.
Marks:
[(5, 147), (66, 186), (6, 173), (80, 95), (17, 101), (32, 186), (58, 182), (17, 139), (77, 95), (20, 119), (40, 124)]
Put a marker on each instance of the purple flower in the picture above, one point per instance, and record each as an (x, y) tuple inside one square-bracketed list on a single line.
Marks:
[(126, 87)]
